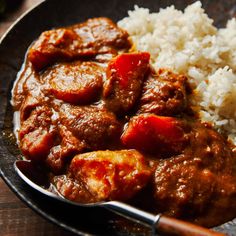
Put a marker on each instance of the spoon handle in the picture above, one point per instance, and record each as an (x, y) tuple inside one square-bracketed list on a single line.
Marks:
[(171, 226), (131, 213), (159, 223)]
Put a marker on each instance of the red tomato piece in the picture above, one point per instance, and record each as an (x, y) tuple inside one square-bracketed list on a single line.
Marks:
[(125, 75), (126, 64), (154, 134)]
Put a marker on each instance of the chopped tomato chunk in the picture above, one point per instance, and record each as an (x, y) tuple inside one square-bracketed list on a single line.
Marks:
[(127, 64), (154, 134), (125, 75)]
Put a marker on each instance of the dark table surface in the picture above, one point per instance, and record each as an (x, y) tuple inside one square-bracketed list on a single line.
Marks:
[(15, 217)]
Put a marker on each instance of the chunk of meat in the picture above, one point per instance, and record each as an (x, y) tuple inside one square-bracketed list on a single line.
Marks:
[(21, 86), (28, 92), (62, 153), (102, 35), (125, 75), (53, 46), (39, 117), (199, 184), (37, 134), (73, 189), (34, 96), (97, 127), (29, 104), (110, 175), (95, 36), (154, 134), (164, 93), (78, 82), (36, 144)]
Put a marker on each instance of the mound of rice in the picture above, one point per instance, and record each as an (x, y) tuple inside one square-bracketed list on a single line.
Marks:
[(188, 43)]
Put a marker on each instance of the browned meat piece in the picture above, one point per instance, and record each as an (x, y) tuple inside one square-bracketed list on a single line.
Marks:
[(101, 35), (109, 175), (95, 36), (164, 93), (36, 144), (160, 135), (78, 82), (97, 127), (125, 75), (37, 134), (20, 90), (34, 96), (52, 46), (28, 92), (29, 104), (63, 152), (41, 116), (200, 184), (73, 189)]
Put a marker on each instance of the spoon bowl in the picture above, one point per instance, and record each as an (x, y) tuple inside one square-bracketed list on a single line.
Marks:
[(37, 179)]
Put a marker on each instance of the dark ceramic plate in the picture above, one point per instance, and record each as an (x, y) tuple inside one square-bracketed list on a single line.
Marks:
[(55, 13)]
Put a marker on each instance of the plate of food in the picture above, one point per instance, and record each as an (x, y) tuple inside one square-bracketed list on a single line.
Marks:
[(132, 101)]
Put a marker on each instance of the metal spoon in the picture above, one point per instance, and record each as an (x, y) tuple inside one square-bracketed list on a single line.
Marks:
[(159, 223)]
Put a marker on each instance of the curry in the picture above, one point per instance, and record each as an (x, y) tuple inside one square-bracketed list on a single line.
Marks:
[(107, 126)]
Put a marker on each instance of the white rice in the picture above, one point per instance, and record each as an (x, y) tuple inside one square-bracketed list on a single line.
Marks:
[(188, 43)]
